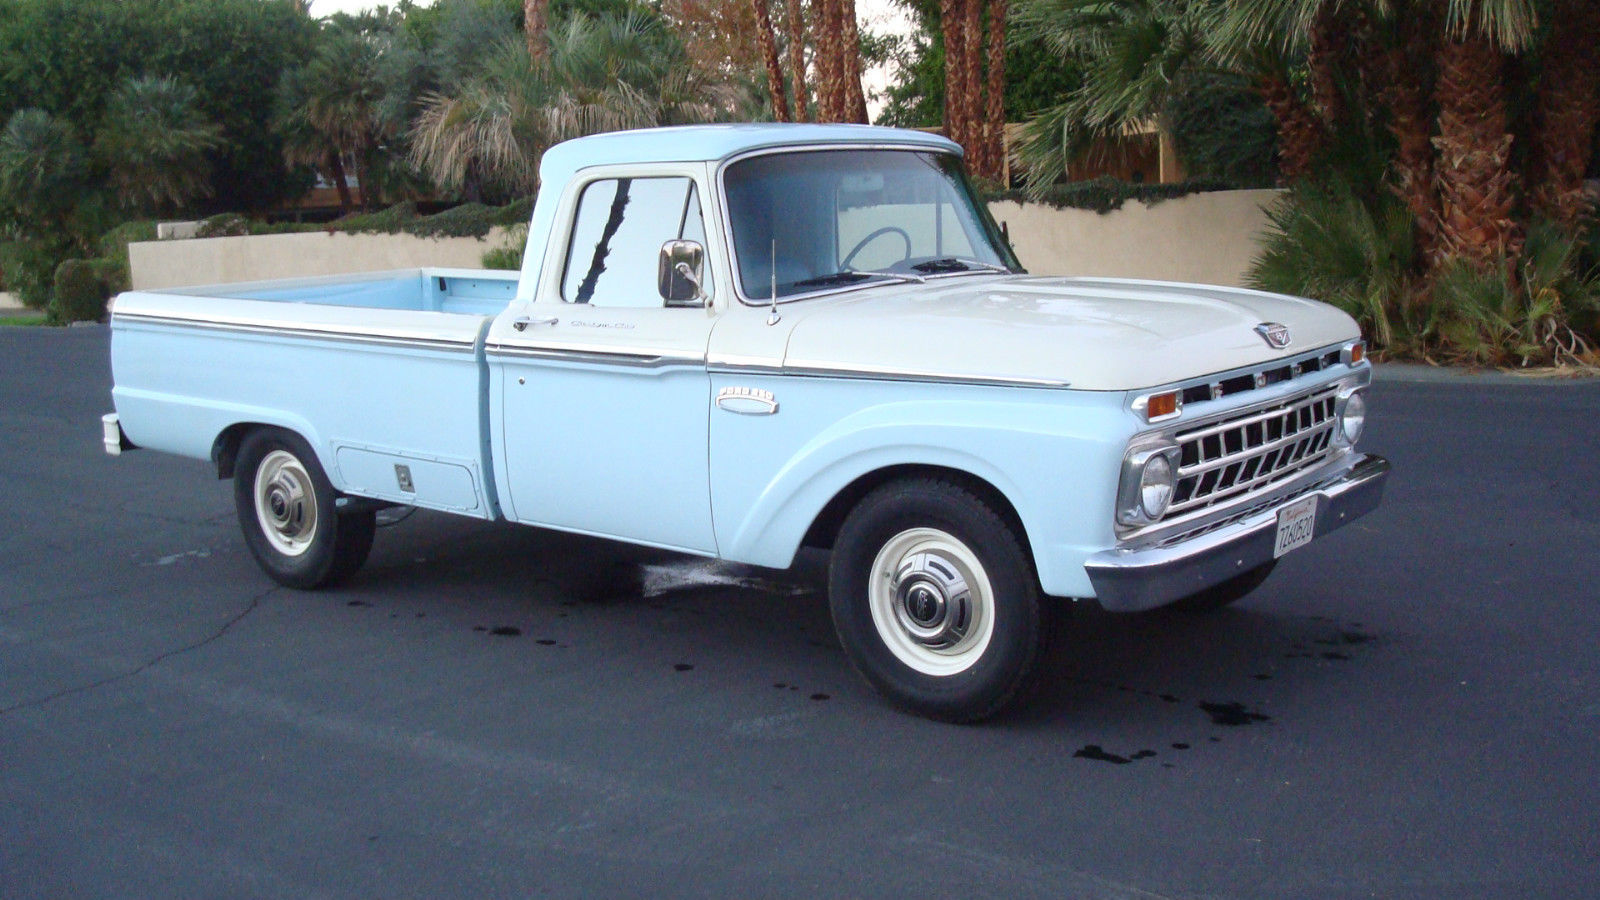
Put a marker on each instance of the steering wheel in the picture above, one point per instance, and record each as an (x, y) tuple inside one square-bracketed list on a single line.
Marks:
[(861, 244)]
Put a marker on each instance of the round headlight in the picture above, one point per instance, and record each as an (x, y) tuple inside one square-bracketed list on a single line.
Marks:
[(1354, 418), (1155, 486)]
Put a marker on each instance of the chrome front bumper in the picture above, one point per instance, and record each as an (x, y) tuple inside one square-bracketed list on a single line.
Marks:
[(1134, 579)]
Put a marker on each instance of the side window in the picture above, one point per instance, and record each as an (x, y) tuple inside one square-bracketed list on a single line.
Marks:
[(617, 234)]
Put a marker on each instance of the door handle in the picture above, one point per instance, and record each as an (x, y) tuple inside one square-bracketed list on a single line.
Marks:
[(521, 323)]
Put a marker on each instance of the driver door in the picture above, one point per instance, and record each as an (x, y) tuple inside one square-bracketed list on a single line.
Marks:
[(604, 387)]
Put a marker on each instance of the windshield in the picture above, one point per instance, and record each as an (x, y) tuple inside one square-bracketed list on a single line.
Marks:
[(826, 219)]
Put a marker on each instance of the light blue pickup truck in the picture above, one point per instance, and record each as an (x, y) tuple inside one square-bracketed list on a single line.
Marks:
[(734, 341)]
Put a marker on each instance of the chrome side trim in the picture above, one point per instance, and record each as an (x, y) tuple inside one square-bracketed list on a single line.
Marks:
[(1128, 579), (387, 338), (867, 373), (638, 358)]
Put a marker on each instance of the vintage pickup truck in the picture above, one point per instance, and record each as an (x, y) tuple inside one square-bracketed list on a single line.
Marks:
[(734, 341)]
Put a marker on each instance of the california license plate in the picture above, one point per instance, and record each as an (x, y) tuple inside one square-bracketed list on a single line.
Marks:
[(1297, 525)]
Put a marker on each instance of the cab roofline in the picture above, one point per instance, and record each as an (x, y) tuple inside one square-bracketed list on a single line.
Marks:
[(715, 143)]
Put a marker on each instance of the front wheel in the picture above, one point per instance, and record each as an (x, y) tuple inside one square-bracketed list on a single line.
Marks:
[(288, 514), (934, 600)]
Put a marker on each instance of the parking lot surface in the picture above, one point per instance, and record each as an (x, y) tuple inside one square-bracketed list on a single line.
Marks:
[(1408, 708)]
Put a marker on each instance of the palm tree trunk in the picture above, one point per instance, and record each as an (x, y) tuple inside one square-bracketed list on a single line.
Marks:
[(1566, 112), (769, 54), (535, 28), (972, 75), (1329, 45), (797, 59), (830, 65), (1404, 88), (1300, 133), (336, 169), (853, 100), (952, 19), (1477, 188), (994, 138)]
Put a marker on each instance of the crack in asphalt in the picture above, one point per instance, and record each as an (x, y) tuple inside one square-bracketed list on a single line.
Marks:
[(94, 685)]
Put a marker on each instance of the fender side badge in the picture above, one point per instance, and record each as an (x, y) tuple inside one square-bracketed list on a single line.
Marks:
[(747, 401)]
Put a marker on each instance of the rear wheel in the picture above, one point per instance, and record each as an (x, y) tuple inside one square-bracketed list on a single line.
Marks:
[(934, 600), (1228, 592), (287, 510)]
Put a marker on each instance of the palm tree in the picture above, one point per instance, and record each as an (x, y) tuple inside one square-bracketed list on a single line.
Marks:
[(42, 172), (153, 141), (333, 108), (604, 73)]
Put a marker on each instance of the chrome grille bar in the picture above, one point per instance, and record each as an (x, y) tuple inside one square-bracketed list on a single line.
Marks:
[(1253, 450)]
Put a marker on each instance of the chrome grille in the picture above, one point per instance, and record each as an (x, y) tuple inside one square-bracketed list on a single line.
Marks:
[(1252, 450)]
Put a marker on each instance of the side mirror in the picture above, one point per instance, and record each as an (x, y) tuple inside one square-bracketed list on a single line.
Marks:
[(680, 273)]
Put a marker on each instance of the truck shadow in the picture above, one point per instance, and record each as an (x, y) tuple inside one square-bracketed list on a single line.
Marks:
[(1225, 670)]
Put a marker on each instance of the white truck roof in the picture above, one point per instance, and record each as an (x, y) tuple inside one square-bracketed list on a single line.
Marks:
[(710, 143)]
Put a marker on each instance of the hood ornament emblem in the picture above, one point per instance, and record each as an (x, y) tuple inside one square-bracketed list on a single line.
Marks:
[(1276, 335)]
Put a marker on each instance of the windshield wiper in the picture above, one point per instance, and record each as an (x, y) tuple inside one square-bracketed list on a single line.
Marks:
[(850, 276), (845, 277), (957, 264)]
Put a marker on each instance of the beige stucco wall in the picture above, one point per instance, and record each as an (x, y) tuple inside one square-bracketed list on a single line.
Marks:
[(182, 263), (1207, 238)]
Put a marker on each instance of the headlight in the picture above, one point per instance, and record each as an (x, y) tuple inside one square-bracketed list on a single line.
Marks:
[(1353, 417), (1155, 487), (1148, 479)]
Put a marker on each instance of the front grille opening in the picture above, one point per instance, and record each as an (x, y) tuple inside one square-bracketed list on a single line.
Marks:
[(1250, 451), (1238, 385)]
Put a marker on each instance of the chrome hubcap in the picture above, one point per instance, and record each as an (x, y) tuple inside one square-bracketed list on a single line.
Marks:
[(286, 503), (931, 601)]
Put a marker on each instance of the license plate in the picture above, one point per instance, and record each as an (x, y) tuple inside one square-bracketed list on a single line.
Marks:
[(1297, 524)]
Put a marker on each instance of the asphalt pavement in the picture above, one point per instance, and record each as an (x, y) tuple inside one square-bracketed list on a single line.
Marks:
[(1409, 707)]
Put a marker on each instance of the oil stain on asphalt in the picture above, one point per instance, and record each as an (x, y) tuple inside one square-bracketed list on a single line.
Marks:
[(1233, 713)]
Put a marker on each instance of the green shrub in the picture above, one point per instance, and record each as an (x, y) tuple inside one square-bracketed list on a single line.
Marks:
[(509, 254), (1330, 242), (1533, 315), (224, 225), (81, 291), (30, 268), (1105, 195)]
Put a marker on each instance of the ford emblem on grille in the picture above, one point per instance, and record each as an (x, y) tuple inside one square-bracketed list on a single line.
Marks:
[(1276, 335)]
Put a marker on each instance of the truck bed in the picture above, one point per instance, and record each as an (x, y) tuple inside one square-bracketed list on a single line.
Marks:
[(383, 373)]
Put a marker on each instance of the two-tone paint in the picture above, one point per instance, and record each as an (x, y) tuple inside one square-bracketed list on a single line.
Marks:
[(725, 430)]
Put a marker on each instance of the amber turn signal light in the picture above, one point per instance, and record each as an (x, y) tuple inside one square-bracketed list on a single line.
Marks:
[(1160, 406)]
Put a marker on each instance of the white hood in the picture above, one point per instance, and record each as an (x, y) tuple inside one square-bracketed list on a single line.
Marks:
[(1093, 334)]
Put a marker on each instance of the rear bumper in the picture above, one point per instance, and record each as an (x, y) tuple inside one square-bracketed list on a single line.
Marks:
[(112, 435), (1133, 579)]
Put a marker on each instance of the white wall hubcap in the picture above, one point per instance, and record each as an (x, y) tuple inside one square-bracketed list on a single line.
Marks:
[(931, 601), (286, 503)]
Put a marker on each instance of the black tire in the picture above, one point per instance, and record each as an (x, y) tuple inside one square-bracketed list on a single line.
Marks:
[(1231, 591), (288, 514), (895, 583)]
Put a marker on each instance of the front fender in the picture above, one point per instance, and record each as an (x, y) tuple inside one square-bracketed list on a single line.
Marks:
[(1052, 454)]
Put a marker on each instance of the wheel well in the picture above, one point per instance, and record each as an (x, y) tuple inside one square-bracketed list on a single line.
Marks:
[(225, 449), (826, 526)]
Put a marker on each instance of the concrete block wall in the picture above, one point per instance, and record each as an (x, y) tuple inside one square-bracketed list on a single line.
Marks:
[(184, 263), (1207, 238)]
